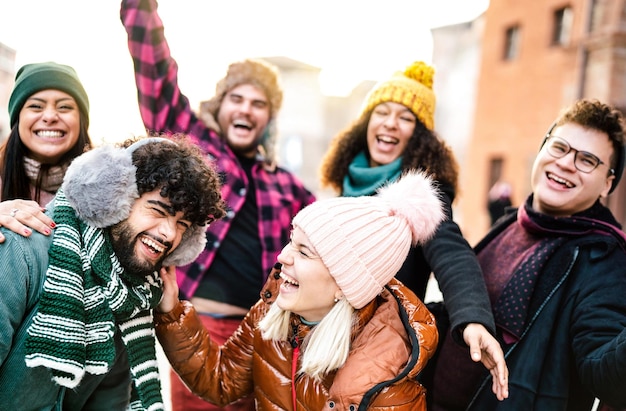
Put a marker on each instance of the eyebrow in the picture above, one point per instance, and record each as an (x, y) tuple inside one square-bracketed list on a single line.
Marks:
[(43, 100), (254, 100), (170, 210), (306, 247)]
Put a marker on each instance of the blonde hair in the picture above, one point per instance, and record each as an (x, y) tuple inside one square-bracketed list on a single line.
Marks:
[(326, 347)]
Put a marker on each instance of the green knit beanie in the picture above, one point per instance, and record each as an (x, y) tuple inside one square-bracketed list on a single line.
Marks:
[(35, 77)]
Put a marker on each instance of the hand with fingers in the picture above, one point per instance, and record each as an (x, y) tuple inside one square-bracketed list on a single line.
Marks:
[(485, 348), (23, 216), (170, 290)]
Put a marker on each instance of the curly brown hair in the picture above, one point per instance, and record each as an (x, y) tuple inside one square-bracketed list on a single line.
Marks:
[(425, 151), (184, 176)]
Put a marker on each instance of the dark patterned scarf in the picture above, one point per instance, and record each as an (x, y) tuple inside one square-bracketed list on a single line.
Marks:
[(510, 311)]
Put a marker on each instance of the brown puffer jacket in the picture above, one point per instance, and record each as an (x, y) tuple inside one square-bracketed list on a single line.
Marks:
[(395, 337)]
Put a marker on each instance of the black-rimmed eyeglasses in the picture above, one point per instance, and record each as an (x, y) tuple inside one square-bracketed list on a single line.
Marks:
[(584, 161)]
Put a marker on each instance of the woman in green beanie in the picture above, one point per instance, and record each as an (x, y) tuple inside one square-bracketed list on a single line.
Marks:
[(49, 117)]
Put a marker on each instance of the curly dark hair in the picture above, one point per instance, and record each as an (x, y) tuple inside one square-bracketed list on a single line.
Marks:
[(184, 176), (425, 151)]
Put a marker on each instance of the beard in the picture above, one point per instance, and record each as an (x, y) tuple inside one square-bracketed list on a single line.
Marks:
[(123, 240)]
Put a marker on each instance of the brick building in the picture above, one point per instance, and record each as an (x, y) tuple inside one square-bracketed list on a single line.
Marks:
[(537, 56)]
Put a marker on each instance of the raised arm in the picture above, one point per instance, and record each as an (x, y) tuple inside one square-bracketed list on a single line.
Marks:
[(162, 106)]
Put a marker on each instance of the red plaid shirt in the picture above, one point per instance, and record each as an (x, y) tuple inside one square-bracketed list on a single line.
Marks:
[(164, 109)]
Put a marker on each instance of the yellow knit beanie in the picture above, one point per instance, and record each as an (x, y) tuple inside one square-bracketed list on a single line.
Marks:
[(412, 88)]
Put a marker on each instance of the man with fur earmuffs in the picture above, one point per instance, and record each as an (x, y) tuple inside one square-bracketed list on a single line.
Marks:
[(235, 129), (76, 323)]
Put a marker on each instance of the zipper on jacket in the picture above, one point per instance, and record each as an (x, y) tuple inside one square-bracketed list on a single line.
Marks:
[(415, 353), (295, 344)]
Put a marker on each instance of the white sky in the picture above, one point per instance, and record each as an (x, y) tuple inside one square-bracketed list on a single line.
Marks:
[(350, 40)]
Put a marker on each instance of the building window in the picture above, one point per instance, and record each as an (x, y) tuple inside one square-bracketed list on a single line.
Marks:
[(562, 29), (598, 14), (511, 43)]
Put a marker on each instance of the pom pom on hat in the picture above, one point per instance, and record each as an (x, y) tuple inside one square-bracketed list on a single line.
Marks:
[(35, 77), (363, 241), (412, 88)]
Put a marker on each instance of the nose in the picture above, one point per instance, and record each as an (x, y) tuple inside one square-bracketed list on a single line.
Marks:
[(390, 121), (167, 229), (567, 161), (50, 115), (245, 106), (284, 257)]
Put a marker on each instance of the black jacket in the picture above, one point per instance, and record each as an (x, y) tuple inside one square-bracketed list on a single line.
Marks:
[(453, 262), (574, 345)]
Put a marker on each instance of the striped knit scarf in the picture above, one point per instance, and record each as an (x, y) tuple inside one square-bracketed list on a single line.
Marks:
[(86, 296)]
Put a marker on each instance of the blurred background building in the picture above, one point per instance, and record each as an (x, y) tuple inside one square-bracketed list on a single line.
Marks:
[(536, 57), (7, 73)]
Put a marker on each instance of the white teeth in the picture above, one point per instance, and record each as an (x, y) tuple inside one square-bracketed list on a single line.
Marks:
[(49, 133), (152, 244), (242, 123), (387, 139), (289, 279), (560, 180)]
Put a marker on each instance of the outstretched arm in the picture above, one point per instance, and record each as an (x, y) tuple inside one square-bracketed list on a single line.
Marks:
[(23, 216), (460, 279)]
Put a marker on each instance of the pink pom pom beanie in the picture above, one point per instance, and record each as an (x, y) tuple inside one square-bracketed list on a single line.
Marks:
[(363, 241)]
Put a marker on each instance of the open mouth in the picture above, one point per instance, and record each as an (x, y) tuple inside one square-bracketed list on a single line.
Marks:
[(559, 180), (387, 140), (156, 248), (49, 133), (243, 124), (288, 282)]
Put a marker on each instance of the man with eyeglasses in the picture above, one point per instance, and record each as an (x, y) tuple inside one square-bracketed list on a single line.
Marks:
[(556, 275)]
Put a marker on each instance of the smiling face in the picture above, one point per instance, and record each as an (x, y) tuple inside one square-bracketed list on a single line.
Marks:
[(243, 117), (389, 130), (49, 125), (150, 233), (308, 289), (559, 188)]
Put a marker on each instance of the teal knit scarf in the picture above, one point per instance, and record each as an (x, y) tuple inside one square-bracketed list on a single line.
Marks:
[(363, 180), (86, 296)]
